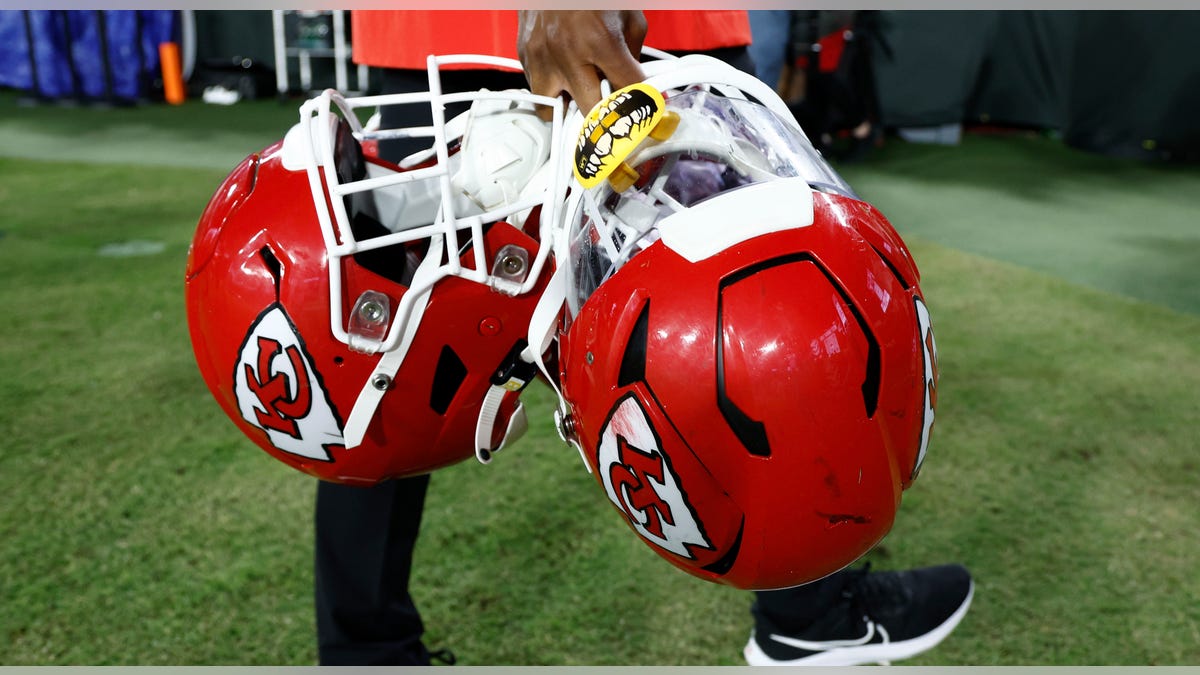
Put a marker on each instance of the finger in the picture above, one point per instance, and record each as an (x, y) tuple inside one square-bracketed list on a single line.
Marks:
[(635, 33), (620, 69), (583, 86), (553, 87)]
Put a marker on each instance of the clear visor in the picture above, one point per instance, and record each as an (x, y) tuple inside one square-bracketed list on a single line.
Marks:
[(721, 144)]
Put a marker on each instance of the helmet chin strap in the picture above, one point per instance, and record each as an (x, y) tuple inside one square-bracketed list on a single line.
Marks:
[(543, 323), (519, 372), (542, 326), (489, 414), (380, 380)]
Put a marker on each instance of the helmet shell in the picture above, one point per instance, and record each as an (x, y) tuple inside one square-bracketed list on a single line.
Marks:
[(258, 306), (755, 415)]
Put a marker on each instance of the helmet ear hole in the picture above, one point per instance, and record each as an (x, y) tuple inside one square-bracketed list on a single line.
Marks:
[(451, 372)]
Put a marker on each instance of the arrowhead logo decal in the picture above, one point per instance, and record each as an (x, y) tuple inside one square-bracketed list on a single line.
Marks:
[(639, 481), (279, 391)]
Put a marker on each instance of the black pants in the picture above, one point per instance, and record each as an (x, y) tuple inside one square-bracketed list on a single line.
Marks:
[(365, 536), (364, 549)]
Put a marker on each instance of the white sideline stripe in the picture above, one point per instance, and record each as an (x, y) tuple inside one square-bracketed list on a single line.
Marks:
[(854, 652), (130, 144)]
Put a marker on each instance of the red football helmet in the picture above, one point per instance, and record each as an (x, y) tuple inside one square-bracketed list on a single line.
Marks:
[(746, 358), (361, 320)]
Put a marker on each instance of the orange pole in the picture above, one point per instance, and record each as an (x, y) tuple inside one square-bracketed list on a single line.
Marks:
[(172, 72)]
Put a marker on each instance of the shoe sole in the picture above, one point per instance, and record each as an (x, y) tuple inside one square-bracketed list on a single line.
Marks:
[(866, 654)]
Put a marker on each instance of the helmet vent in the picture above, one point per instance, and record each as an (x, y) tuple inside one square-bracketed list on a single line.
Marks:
[(751, 432), (871, 380), (633, 362), (447, 379), (272, 263)]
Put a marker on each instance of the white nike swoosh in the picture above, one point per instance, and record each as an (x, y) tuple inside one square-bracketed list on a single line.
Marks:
[(831, 644)]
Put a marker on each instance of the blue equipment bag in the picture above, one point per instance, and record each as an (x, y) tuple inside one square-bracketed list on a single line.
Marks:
[(101, 55)]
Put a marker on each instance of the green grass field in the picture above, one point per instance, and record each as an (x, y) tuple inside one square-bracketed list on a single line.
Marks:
[(137, 526)]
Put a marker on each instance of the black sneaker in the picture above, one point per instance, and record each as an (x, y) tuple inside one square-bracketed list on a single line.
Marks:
[(881, 617)]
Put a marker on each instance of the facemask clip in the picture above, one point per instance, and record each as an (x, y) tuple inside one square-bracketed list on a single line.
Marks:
[(369, 322), (510, 269)]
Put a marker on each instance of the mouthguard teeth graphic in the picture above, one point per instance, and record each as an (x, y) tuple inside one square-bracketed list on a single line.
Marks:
[(619, 119)]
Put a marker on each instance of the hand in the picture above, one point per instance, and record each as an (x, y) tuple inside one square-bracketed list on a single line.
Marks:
[(570, 51)]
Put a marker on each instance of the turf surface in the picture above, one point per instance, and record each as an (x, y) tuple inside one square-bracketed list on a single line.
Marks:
[(139, 527), (1116, 225)]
